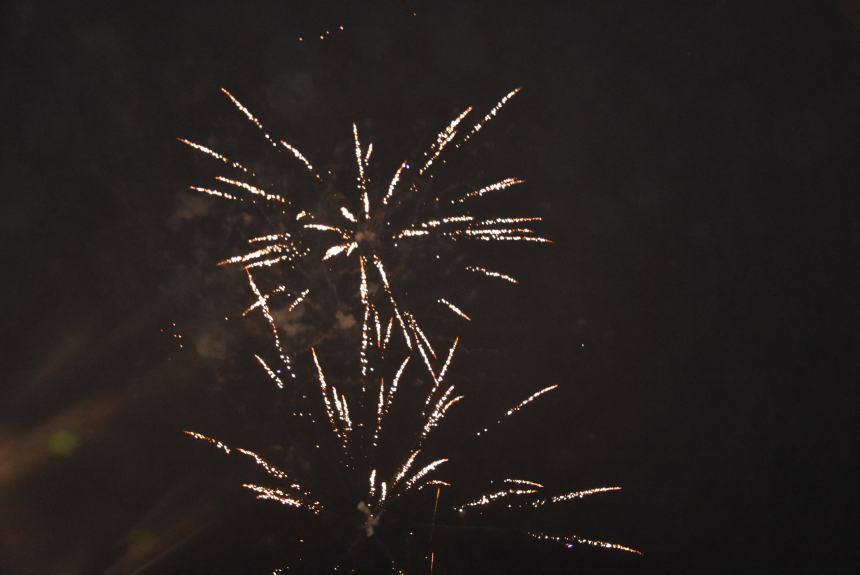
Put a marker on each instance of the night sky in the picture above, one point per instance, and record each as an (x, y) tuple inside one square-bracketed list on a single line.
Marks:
[(696, 166)]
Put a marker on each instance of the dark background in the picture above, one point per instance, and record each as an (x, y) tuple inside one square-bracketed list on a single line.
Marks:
[(696, 163)]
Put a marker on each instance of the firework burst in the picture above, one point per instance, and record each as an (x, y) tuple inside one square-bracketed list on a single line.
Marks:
[(404, 219), (378, 439), (379, 443)]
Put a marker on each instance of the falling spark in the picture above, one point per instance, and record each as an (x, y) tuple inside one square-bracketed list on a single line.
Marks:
[(393, 389), (210, 440), (278, 290), (362, 184), (216, 193), (249, 116), (416, 329), (455, 309), (574, 495), (271, 320), (488, 498), (529, 399), (439, 412), (502, 185), (294, 151), (271, 373), (380, 411), (404, 469), (272, 494), (301, 297), (520, 405), (443, 139), (492, 274), (441, 377), (434, 482), (524, 482), (570, 540), (252, 189), (424, 471), (347, 214), (335, 250), (384, 491), (268, 238), (253, 255), (328, 404), (292, 500), (216, 155), (270, 469), (393, 184)]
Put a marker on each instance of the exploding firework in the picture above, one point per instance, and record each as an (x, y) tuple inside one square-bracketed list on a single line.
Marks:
[(379, 443), (379, 234), (377, 436)]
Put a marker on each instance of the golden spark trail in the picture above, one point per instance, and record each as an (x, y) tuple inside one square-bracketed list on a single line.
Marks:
[(502, 185), (424, 471), (492, 274), (393, 184), (490, 115), (272, 374), (442, 140), (494, 496), (455, 309), (216, 155), (574, 495), (216, 193), (252, 189), (570, 540)]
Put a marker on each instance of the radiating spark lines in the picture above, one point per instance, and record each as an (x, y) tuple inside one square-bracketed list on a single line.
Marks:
[(366, 226), (373, 231)]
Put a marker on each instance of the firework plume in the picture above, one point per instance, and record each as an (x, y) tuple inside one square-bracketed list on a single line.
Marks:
[(362, 229), (372, 431)]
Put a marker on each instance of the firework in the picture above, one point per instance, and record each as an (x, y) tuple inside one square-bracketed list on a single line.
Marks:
[(361, 232), (361, 443)]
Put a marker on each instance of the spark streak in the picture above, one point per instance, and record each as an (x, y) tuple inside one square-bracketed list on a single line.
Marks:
[(574, 495), (424, 471), (502, 185), (570, 540), (253, 189), (455, 309), (216, 155), (492, 274)]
